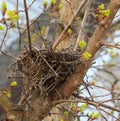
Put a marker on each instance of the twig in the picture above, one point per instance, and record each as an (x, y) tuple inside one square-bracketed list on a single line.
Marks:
[(28, 27), (19, 43), (88, 101), (109, 45), (8, 55), (69, 24), (89, 92), (31, 4), (4, 38), (108, 113), (109, 100), (82, 25), (48, 64)]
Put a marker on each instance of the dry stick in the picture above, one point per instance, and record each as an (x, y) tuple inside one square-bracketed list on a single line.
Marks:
[(48, 65), (82, 26), (69, 24), (72, 82), (28, 27)]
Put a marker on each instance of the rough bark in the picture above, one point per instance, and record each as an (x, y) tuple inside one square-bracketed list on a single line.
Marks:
[(35, 111)]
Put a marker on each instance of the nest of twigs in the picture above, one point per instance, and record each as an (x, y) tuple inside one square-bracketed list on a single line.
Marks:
[(46, 68)]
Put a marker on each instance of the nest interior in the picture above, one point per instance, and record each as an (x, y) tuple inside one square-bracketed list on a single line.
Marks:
[(46, 68)]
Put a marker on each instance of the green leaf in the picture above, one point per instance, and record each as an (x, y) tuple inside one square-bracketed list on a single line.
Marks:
[(1, 27), (82, 44), (4, 7), (86, 55)]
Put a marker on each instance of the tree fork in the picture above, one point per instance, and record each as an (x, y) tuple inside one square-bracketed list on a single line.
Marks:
[(93, 46)]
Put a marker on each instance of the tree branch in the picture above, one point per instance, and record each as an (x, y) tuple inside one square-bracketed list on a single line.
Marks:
[(69, 24), (28, 26), (93, 46)]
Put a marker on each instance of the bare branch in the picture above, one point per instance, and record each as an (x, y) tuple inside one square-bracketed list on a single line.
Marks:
[(28, 26), (69, 24)]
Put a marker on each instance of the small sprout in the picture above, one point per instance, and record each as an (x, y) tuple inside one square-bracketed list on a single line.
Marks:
[(13, 16), (43, 30), (96, 116), (4, 7), (101, 7), (25, 40), (111, 111), (77, 18), (8, 94), (52, 2), (86, 55), (111, 48), (62, 119), (91, 115), (111, 64), (82, 44), (74, 108), (66, 113), (1, 27), (60, 6), (97, 17), (93, 82), (106, 51), (118, 87), (83, 107), (45, 3), (101, 12), (113, 54), (106, 12), (13, 84), (69, 31)]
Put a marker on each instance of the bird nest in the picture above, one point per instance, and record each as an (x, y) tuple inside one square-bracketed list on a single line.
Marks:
[(48, 69)]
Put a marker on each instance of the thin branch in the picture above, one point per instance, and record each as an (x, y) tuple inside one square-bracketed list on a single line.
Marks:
[(69, 24), (88, 101), (82, 26), (4, 38), (31, 4), (19, 43), (28, 27), (109, 45), (8, 55), (48, 64), (109, 113)]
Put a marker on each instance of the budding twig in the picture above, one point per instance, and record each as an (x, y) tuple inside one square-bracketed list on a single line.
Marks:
[(69, 24)]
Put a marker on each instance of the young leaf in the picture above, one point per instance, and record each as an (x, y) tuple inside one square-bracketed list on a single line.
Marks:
[(4, 7)]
